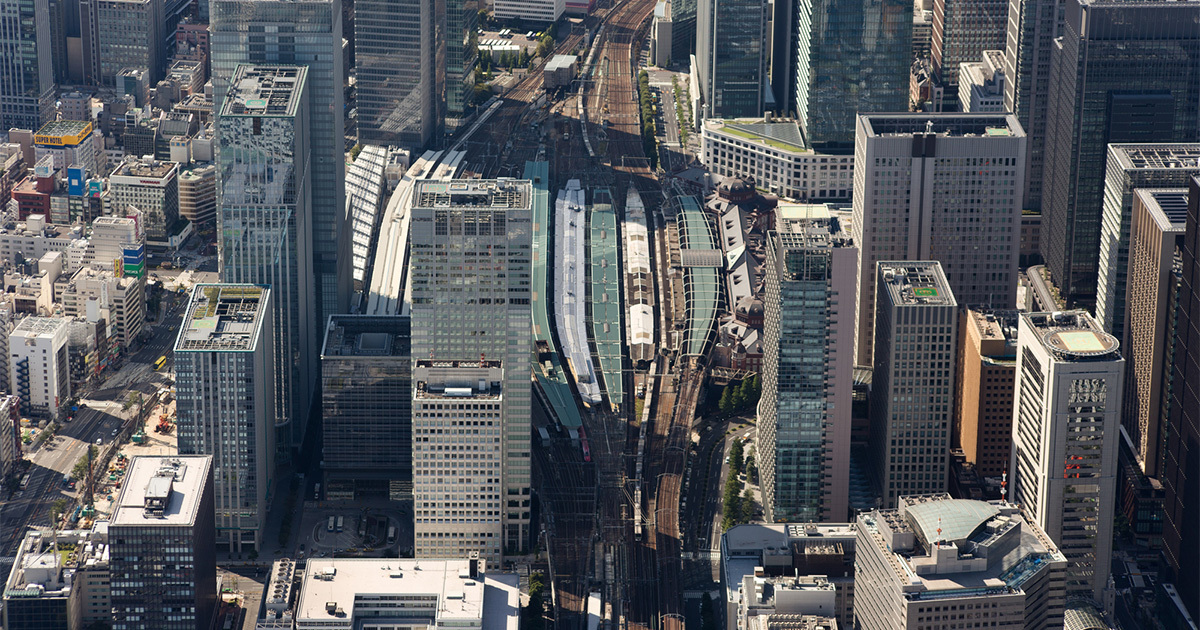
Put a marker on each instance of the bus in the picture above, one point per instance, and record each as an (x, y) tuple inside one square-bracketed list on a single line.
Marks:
[(340, 521), (24, 482), (329, 525), (158, 365), (391, 539)]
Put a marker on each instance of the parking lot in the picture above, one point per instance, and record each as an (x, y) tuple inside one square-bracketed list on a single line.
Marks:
[(363, 533)]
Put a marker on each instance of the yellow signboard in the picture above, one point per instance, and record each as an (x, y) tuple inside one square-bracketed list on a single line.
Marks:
[(58, 140)]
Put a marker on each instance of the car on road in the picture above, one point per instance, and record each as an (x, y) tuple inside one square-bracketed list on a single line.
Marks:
[(99, 441), (115, 432)]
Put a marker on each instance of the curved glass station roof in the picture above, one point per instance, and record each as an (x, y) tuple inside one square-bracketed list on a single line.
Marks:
[(701, 285)]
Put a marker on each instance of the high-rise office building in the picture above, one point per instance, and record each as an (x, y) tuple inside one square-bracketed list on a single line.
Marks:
[(938, 562), (161, 552), (308, 33), (1181, 466), (224, 361), (52, 589), (1155, 251), (731, 52), (152, 187), (1124, 71), (366, 389), (264, 216), (836, 59), (27, 74), (808, 348), (129, 34), (912, 387), (1032, 27), (962, 30), (483, 226), (462, 54), (944, 187), (1070, 377), (400, 73), (987, 363), (1132, 166), (459, 496)]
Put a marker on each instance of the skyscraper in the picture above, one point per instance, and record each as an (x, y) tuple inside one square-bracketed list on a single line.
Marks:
[(308, 33), (1132, 166), (1155, 250), (808, 349), (731, 50), (912, 387), (962, 30), (462, 19), (1032, 27), (264, 216), (1181, 467), (481, 227), (984, 398), (943, 187), (129, 35), (161, 545), (27, 74), (366, 375), (400, 72), (224, 362), (1124, 71), (850, 57), (1070, 378)]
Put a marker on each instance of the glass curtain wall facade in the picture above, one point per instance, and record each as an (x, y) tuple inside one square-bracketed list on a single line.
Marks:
[(26, 74), (851, 57), (731, 48), (401, 74), (366, 374), (1032, 27), (129, 35), (1124, 71), (264, 218), (462, 18), (807, 376), (308, 33)]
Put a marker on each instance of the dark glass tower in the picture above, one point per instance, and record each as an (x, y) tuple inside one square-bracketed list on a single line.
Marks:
[(1181, 471), (399, 89), (26, 72), (731, 48), (1032, 27), (1122, 71)]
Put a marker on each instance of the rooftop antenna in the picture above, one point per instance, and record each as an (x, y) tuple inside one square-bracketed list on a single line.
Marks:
[(1004, 484), (928, 126), (939, 532)]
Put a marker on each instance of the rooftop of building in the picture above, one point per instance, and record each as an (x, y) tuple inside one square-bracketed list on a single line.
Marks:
[(818, 232), (145, 168), (993, 329), (954, 125), (197, 172), (1164, 156), (558, 62), (64, 131), (40, 326), (916, 283), (757, 537), (943, 547), (1071, 335), (367, 336), (331, 589), (779, 133), (779, 621), (162, 491), (1167, 206), (474, 380), (223, 317), (265, 90), (495, 194), (46, 559)]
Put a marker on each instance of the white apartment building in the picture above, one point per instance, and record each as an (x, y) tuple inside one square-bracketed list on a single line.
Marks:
[(39, 373), (1069, 387), (944, 187), (34, 238), (109, 239), (937, 562), (95, 294), (530, 10), (457, 461), (198, 194), (774, 154), (912, 387)]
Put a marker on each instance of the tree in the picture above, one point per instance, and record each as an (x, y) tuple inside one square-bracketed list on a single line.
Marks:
[(708, 618), (747, 506), (736, 458), (751, 469), (355, 150), (57, 509), (725, 405)]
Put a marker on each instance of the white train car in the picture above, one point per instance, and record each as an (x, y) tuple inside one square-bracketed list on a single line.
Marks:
[(639, 282), (570, 221)]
